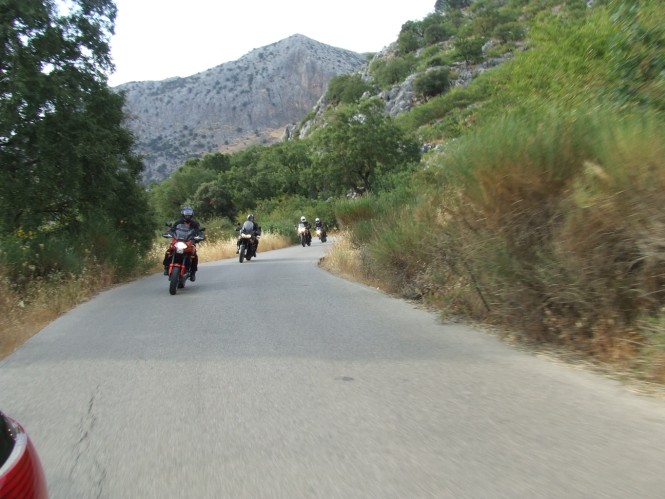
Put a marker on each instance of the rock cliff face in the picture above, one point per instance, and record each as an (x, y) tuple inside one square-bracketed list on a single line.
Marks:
[(233, 105)]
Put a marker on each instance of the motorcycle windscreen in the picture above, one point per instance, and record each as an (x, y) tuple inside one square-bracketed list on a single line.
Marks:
[(248, 227), (182, 232)]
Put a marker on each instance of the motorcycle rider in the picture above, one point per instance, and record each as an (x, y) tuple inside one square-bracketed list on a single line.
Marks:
[(308, 226), (187, 218), (318, 224), (257, 232)]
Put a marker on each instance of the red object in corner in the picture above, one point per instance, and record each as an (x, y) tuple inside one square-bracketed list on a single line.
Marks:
[(21, 472)]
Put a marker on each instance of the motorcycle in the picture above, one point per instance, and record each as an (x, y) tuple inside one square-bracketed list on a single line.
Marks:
[(182, 249), (249, 240), (304, 235), (322, 234)]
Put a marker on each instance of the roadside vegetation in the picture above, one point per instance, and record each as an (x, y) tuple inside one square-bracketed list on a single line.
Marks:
[(542, 212), (535, 207)]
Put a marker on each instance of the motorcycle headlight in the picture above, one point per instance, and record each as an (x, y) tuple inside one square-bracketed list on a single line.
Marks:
[(180, 246), (246, 236)]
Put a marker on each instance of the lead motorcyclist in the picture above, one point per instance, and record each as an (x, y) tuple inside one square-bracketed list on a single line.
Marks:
[(257, 232), (187, 218)]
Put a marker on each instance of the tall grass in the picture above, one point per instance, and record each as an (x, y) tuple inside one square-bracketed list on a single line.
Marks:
[(570, 209), (554, 226), (32, 305), (47, 271)]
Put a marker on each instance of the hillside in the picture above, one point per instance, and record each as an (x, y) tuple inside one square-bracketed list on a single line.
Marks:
[(233, 105), (536, 203)]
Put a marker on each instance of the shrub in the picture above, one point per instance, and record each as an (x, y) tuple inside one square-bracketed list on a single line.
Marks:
[(388, 73), (432, 82), (347, 89), (509, 32), (470, 49)]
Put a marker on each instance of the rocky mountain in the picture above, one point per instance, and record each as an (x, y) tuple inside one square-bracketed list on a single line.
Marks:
[(226, 108)]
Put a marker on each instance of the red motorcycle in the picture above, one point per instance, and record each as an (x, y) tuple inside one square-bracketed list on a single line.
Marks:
[(181, 250)]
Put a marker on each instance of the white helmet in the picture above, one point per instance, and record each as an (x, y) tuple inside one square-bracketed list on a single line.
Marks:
[(317, 219), (303, 219)]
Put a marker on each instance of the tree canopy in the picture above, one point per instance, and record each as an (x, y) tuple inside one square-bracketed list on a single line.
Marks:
[(360, 143), (66, 157)]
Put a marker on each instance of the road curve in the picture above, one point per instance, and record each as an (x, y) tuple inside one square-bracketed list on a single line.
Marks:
[(275, 379)]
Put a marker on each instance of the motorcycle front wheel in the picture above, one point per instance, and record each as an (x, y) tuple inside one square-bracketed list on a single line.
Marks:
[(174, 279), (243, 249)]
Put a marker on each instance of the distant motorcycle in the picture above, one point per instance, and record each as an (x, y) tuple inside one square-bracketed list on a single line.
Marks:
[(249, 240), (304, 235), (322, 234), (182, 248)]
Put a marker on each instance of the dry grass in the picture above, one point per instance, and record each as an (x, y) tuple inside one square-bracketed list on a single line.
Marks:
[(210, 252), (350, 261), (28, 312), (637, 362), (44, 301)]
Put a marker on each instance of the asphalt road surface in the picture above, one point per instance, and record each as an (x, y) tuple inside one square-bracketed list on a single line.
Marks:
[(275, 379)]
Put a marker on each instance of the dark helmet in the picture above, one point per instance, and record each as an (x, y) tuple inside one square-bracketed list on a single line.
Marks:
[(250, 217), (187, 213)]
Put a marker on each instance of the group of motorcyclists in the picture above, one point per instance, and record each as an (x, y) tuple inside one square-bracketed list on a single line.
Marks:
[(250, 226), (304, 230)]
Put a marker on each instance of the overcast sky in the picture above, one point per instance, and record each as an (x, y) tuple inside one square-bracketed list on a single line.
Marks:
[(159, 39)]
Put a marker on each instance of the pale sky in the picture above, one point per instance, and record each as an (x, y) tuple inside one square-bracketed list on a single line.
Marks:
[(159, 39)]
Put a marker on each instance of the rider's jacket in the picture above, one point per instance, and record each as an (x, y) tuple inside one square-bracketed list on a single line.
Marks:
[(191, 222)]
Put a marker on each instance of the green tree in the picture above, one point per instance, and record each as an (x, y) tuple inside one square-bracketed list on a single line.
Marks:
[(359, 144), (172, 194), (433, 82), (447, 5), (291, 168), (470, 49), (509, 32), (66, 158), (410, 37), (347, 89), (436, 33), (212, 199), (388, 73), (216, 162)]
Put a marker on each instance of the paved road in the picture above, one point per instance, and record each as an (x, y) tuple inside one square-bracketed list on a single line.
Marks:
[(274, 379)]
